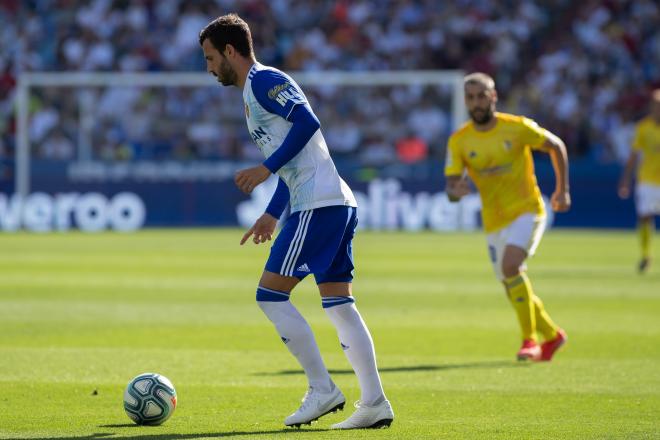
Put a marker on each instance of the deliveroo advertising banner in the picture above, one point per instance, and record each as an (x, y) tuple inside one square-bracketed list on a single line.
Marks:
[(60, 203)]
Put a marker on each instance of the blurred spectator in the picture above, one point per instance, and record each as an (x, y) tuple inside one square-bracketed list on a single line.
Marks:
[(375, 152), (411, 149), (429, 121), (343, 136), (57, 146)]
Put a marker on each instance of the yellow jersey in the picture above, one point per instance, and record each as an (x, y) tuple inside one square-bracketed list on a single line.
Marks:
[(647, 143), (499, 162)]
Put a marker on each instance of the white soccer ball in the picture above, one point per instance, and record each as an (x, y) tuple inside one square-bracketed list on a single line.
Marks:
[(149, 399)]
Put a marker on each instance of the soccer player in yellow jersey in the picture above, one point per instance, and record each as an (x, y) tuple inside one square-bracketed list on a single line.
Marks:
[(495, 149), (645, 153)]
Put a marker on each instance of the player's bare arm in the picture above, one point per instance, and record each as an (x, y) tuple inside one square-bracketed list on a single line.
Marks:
[(561, 198), (262, 230), (457, 187), (625, 184), (248, 179)]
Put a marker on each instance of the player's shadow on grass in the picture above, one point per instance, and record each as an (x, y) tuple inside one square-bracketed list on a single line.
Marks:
[(414, 368), (202, 435), (122, 425)]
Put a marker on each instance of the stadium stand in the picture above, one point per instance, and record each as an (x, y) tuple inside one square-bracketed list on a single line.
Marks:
[(582, 69)]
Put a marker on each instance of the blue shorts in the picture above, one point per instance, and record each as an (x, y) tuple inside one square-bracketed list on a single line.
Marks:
[(317, 241)]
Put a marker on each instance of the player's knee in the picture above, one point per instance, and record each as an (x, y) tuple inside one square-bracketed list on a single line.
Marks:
[(265, 294), (510, 268), (275, 281)]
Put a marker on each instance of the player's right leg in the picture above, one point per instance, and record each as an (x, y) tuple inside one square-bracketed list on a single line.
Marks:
[(273, 294), (509, 250), (645, 227)]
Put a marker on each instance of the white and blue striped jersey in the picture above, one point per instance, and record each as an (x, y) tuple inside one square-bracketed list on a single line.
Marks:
[(270, 96)]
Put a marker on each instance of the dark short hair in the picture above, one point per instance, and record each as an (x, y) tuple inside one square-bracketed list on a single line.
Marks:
[(228, 29)]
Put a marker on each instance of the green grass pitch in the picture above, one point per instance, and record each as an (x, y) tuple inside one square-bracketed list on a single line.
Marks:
[(80, 315)]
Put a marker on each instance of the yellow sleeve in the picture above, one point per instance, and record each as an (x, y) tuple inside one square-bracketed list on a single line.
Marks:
[(532, 134), (454, 161), (638, 143)]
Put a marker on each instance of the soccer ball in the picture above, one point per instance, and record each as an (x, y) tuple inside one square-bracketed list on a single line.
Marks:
[(149, 399)]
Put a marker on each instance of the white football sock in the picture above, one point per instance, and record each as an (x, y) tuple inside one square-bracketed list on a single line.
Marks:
[(357, 344), (296, 335)]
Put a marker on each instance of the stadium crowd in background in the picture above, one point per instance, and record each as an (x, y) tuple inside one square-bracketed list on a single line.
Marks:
[(581, 69)]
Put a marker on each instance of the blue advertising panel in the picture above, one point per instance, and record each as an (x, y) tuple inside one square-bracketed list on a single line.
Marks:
[(62, 200)]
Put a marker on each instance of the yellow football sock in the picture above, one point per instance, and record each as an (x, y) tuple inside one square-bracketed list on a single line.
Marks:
[(544, 323), (520, 294), (645, 232)]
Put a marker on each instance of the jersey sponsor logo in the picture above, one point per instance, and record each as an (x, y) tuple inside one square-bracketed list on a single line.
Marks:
[(258, 133), (260, 137), (495, 171), (272, 93), (288, 94)]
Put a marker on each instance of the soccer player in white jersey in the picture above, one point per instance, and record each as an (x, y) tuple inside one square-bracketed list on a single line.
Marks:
[(316, 238)]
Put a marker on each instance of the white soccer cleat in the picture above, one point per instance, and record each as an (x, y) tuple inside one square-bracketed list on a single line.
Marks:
[(315, 405), (378, 416)]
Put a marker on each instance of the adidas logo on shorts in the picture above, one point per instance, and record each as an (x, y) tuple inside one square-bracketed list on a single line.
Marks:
[(303, 268)]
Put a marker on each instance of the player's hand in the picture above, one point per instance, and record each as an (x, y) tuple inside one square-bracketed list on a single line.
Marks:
[(247, 180), (262, 230), (624, 190), (560, 201), (458, 188)]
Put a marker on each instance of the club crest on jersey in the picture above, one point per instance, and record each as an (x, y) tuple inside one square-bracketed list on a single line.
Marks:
[(472, 154), (247, 111), (507, 145)]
